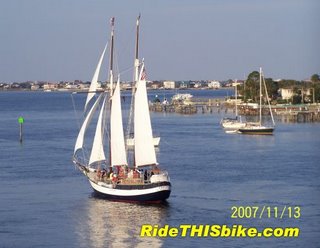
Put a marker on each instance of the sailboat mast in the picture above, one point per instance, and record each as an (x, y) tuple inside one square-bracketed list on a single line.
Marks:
[(136, 61), (266, 90), (111, 55), (136, 73), (236, 93), (111, 78), (260, 92), (135, 78)]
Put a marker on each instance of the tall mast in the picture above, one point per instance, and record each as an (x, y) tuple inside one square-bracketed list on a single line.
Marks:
[(260, 92), (136, 60), (111, 55), (135, 78), (111, 76), (236, 93)]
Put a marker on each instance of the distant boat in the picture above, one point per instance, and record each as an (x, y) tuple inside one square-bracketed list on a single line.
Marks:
[(181, 97), (233, 124), (111, 176), (257, 127)]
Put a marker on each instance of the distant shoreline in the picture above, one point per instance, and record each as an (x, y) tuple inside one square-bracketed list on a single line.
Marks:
[(86, 91)]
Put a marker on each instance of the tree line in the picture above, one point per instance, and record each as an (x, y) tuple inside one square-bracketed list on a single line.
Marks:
[(250, 89)]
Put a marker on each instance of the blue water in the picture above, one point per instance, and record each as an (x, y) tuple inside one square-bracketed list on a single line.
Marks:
[(46, 202)]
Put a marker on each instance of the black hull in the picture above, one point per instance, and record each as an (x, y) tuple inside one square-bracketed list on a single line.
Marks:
[(156, 197), (267, 131)]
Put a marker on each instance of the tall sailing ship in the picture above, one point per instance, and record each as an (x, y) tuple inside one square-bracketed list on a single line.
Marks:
[(107, 168)]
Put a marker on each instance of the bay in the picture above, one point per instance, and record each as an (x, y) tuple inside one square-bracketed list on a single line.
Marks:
[(46, 202)]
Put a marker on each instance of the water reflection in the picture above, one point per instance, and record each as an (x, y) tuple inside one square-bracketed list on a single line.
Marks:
[(113, 224)]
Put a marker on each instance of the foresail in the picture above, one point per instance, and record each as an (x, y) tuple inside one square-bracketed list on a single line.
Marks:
[(94, 81), (118, 151), (85, 124), (143, 138), (97, 152)]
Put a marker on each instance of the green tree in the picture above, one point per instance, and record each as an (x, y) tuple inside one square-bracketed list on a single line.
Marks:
[(272, 88), (296, 99), (251, 87), (316, 91), (315, 78)]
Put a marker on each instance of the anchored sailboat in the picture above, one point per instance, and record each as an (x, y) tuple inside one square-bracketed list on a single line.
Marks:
[(233, 124), (257, 127), (109, 173)]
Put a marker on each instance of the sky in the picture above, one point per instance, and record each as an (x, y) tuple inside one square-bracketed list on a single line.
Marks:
[(61, 40)]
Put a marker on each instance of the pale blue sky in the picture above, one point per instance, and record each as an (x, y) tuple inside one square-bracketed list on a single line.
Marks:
[(180, 39)]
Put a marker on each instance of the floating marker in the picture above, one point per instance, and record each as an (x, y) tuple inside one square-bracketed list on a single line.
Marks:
[(21, 121)]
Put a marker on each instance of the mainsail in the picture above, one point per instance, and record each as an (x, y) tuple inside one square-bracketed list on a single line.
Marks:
[(97, 153), (118, 151), (144, 152), (94, 81), (86, 122)]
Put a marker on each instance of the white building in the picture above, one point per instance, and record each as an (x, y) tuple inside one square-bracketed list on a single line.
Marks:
[(84, 86), (169, 84), (183, 85), (50, 86), (288, 93), (35, 87), (71, 86), (214, 85)]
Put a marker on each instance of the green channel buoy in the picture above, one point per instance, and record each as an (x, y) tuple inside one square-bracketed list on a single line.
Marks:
[(21, 121)]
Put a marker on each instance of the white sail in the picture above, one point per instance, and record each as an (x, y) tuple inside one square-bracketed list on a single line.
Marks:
[(85, 124), (143, 139), (97, 152), (118, 150), (94, 81)]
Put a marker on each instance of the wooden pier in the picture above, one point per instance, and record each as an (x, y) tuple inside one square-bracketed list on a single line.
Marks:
[(174, 108), (287, 113)]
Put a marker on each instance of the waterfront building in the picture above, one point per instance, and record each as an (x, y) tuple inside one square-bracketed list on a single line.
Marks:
[(50, 86), (169, 84), (183, 85), (288, 93), (35, 87), (214, 85)]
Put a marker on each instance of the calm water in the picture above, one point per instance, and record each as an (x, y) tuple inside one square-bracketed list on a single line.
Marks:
[(46, 202)]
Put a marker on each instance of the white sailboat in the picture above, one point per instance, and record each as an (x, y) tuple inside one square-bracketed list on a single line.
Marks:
[(233, 124), (111, 176), (257, 127)]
